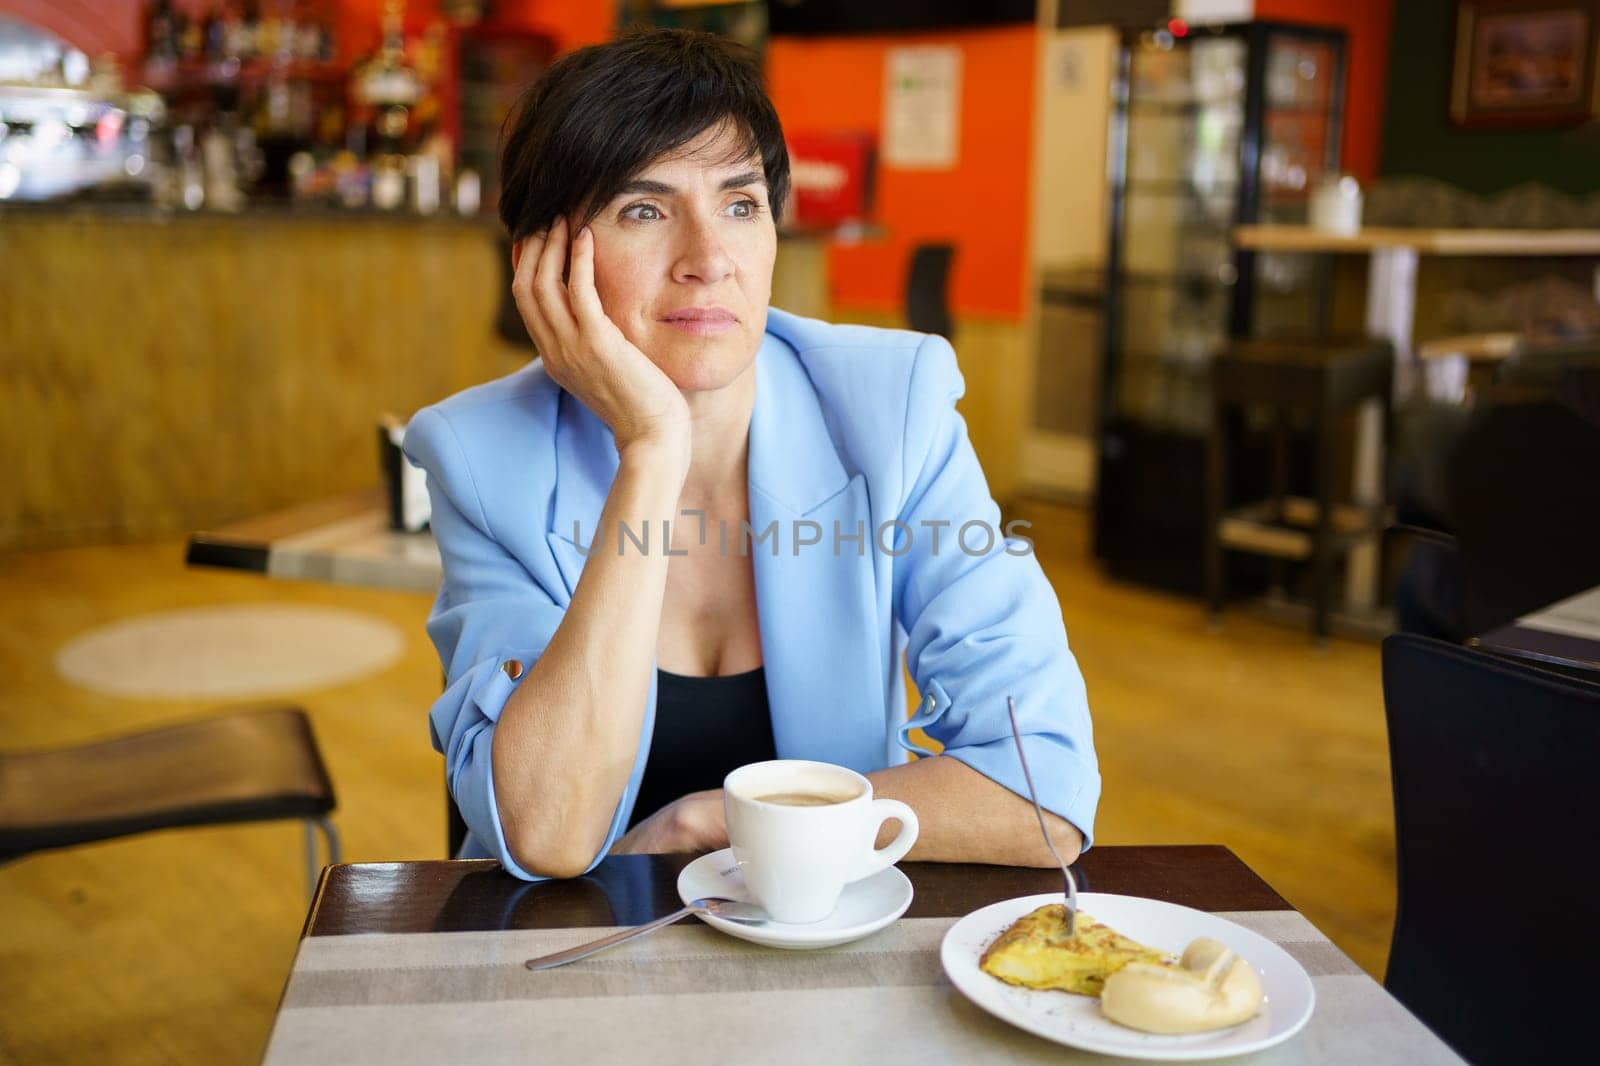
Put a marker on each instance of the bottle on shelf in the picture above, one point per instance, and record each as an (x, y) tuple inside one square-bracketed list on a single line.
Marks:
[(213, 34), (188, 171), (161, 42), (388, 86)]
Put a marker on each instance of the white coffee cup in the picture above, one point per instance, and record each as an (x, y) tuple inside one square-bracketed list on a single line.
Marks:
[(803, 830)]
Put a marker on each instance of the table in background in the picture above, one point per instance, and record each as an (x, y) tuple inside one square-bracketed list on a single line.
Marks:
[(422, 962), (1565, 634), (345, 540), (1391, 312)]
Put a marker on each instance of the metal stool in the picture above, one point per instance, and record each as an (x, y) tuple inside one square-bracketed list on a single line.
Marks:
[(247, 766), (1316, 380)]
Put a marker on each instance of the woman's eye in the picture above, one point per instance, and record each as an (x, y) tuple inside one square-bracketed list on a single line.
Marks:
[(642, 213), (744, 208)]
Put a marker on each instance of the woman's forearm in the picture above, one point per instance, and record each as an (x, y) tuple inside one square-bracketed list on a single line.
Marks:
[(567, 737), (966, 817)]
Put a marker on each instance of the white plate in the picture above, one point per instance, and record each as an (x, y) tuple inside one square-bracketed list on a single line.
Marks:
[(865, 907), (1076, 1020)]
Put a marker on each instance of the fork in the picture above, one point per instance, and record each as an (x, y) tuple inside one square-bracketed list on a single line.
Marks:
[(732, 910), (1033, 794)]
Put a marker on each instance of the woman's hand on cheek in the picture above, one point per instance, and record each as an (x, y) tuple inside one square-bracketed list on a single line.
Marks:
[(692, 824), (583, 350)]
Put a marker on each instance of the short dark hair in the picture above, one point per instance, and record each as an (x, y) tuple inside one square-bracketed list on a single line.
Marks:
[(600, 114)]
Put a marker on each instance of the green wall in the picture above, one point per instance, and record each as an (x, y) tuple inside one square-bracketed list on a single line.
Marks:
[(1418, 138)]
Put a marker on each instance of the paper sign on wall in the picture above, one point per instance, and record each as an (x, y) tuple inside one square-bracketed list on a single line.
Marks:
[(922, 107)]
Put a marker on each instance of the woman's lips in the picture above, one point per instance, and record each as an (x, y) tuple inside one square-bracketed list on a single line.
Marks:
[(702, 321)]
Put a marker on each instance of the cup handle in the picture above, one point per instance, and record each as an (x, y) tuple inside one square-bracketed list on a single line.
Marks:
[(895, 850)]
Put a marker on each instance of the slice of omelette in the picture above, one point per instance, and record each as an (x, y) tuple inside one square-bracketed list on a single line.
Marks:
[(1036, 952)]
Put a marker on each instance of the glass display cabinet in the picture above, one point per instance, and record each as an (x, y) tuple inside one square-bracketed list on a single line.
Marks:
[(1224, 125)]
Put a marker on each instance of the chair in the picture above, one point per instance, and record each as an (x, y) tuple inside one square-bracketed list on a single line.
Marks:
[(927, 289), (1525, 489), (1317, 380), (1501, 501), (245, 766), (1494, 798)]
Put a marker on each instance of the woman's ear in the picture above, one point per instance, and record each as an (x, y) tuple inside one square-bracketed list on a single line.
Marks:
[(516, 254)]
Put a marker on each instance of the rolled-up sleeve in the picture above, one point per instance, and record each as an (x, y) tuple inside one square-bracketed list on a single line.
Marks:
[(981, 619), (490, 623)]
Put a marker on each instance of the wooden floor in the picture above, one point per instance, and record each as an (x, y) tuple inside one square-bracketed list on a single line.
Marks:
[(174, 947)]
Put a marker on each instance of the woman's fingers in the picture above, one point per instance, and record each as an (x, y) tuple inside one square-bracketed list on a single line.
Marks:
[(522, 290), (580, 284), (548, 286)]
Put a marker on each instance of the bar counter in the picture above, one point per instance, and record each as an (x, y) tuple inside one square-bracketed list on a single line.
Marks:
[(170, 371)]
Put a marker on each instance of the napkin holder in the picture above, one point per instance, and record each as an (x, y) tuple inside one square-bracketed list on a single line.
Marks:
[(1336, 205), (405, 486)]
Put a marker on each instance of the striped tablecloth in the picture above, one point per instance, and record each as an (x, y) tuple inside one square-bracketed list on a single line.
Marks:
[(689, 994)]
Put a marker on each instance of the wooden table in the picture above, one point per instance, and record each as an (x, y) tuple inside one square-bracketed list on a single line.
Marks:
[(1391, 312), (420, 962), (1392, 271), (344, 540), (1426, 241)]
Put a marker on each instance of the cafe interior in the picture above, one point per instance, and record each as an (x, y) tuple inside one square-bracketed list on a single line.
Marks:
[(1279, 326)]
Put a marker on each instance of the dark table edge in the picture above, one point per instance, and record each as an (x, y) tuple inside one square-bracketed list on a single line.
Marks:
[(1272, 899), (317, 894)]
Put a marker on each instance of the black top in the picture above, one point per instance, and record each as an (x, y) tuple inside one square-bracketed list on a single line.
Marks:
[(705, 727)]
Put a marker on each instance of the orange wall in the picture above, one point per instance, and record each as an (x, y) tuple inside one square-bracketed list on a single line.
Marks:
[(981, 205), (1367, 24)]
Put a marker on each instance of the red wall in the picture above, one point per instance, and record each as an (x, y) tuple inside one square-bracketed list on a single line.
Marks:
[(981, 205), (570, 23), (1367, 24), (117, 26), (94, 26)]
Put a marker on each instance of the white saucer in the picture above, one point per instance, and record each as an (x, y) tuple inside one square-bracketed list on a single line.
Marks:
[(865, 907)]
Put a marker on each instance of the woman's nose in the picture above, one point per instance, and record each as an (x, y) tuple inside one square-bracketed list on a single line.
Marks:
[(703, 256)]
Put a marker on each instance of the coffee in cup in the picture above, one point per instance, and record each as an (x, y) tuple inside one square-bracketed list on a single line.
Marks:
[(802, 830)]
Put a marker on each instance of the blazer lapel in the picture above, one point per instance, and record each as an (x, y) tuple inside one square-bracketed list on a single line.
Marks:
[(816, 605)]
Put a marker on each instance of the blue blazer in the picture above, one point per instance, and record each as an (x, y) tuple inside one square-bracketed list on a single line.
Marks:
[(854, 431)]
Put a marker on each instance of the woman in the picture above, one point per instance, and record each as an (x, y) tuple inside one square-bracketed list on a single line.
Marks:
[(698, 532)]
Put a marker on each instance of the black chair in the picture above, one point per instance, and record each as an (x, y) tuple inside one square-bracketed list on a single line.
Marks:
[(1495, 794), (1427, 591), (245, 766), (1315, 381), (1525, 490), (1507, 491), (928, 289)]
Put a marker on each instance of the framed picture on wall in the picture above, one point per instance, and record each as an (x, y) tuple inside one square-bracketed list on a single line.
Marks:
[(1523, 63)]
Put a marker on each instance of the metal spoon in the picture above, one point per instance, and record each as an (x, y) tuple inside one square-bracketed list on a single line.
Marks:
[(1072, 885), (731, 909)]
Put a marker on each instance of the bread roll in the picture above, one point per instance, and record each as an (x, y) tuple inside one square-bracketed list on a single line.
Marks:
[(1211, 988)]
